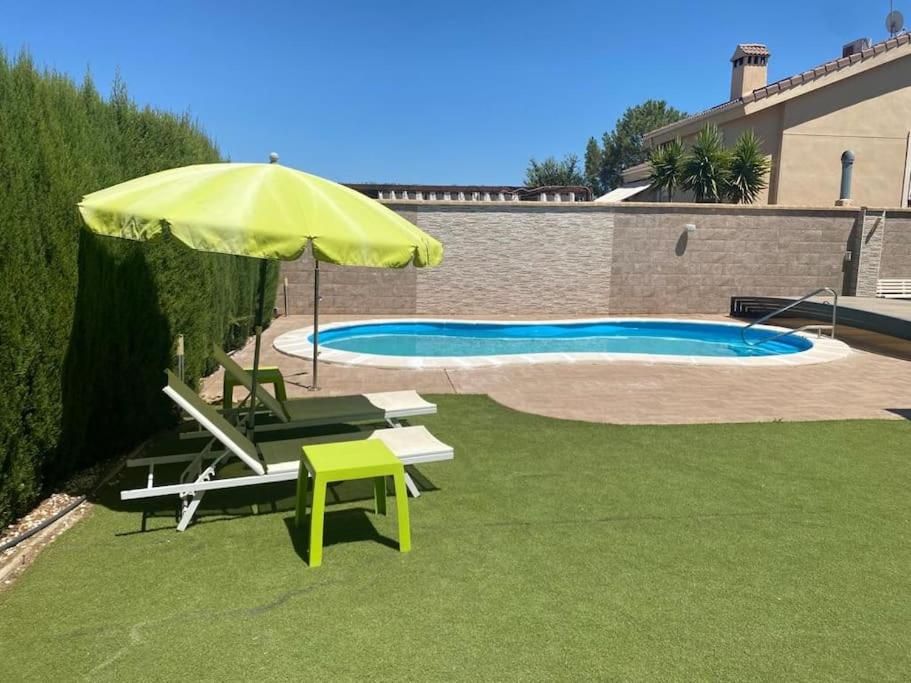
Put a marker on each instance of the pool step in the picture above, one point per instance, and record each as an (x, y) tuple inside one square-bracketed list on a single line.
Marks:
[(751, 307)]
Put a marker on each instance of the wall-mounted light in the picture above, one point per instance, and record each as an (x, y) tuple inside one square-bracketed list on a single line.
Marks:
[(690, 228)]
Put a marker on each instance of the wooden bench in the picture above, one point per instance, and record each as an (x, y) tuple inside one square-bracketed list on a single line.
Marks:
[(893, 289)]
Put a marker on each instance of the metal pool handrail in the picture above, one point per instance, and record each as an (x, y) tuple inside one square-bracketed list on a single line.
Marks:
[(779, 311)]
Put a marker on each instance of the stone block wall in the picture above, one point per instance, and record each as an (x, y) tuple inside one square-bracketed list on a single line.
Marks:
[(347, 290), (659, 267), (586, 258), (519, 259)]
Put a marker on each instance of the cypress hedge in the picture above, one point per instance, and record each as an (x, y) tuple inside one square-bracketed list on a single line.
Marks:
[(88, 323)]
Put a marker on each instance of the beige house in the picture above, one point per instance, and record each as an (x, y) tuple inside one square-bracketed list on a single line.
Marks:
[(860, 102)]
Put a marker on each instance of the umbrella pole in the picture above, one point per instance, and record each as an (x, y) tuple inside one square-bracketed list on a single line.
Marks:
[(260, 304), (314, 386)]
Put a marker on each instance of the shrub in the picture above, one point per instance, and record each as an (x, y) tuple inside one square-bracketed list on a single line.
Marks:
[(87, 323), (667, 167), (711, 172), (747, 171), (705, 168)]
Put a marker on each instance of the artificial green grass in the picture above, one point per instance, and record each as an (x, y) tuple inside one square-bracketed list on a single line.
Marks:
[(550, 550)]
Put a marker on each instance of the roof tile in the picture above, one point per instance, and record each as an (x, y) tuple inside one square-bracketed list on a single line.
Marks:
[(797, 79), (751, 49)]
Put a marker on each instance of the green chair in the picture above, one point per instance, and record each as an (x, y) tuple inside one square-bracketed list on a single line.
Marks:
[(333, 462), (268, 374)]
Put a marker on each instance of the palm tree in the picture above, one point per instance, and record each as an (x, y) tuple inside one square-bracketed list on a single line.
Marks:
[(666, 164), (748, 168), (705, 168)]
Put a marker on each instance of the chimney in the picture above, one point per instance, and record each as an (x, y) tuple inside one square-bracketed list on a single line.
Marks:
[(748, 69), (855, 47)]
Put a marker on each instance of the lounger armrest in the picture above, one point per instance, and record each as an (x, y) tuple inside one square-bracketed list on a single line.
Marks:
[(398, 404)]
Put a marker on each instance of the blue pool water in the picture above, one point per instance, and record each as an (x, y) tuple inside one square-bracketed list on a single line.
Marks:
[(412, 338)]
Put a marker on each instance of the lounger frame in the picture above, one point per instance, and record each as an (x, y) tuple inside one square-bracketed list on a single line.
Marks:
[(198, 478)]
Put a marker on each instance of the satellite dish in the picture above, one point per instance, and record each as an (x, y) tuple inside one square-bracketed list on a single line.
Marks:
[(895, 22)]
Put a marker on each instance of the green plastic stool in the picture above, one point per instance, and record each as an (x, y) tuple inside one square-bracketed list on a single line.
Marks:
[(367, 459), (267, 374)]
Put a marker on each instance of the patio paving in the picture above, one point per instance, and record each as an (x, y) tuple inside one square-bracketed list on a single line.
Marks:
[(864, 385)]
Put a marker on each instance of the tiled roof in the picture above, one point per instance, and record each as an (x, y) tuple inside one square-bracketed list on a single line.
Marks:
[(791, 81), (751, 49)]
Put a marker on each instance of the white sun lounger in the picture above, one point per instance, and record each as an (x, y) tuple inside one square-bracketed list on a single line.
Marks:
[(388, 406), (269, 461)]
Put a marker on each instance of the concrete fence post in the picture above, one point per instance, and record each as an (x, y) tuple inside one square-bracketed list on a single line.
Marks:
[(872, 240)]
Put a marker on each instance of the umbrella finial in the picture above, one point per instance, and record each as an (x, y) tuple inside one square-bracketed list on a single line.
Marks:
[(273, 157)]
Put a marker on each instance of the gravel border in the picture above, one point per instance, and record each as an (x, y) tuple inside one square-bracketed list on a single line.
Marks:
[(15, 560)]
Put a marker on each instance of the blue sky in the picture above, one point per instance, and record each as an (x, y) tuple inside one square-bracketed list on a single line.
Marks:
[(423, 92)]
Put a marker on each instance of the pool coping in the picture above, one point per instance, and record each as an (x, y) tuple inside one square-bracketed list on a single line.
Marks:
[(295, 343)]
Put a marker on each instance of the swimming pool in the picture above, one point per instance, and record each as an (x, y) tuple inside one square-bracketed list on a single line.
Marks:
[(465, 343)]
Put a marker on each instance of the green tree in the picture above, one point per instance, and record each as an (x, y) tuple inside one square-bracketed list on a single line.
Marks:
[(748, 169), (667, 167), (706, 166), (554, 172), (593, 160), (622, 147)]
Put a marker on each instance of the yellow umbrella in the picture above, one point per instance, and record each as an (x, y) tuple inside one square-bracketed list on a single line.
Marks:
[(266, 211)]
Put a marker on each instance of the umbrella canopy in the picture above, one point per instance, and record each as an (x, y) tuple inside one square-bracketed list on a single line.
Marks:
[(262, 210), (265, 211)]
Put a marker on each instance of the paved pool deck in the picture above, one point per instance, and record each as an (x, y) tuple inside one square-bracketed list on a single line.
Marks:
[(862, 386)]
